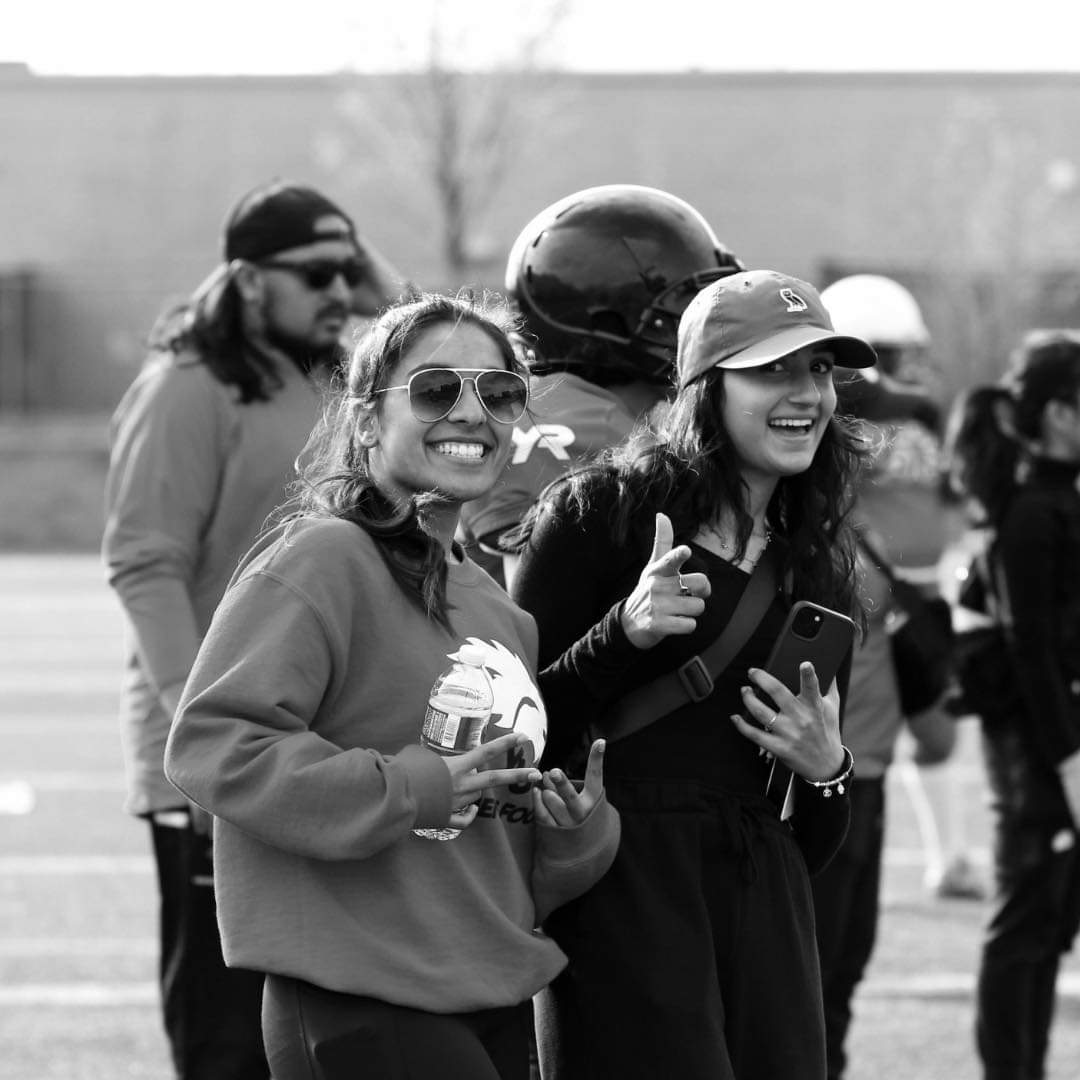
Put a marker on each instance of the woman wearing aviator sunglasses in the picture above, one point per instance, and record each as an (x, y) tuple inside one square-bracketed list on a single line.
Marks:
[(300, 731)]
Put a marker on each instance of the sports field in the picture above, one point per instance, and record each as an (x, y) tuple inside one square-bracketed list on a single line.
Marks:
[(77, 948)]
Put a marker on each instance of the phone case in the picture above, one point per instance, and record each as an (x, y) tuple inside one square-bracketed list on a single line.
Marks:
[(822, 636), (830, 638)]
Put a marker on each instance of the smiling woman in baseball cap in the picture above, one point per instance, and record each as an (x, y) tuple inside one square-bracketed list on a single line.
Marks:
[(632, 567)]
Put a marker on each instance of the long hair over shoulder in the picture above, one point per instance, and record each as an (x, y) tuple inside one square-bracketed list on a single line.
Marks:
[(688, 468), (338, 481), (210, 324), (993, 429)]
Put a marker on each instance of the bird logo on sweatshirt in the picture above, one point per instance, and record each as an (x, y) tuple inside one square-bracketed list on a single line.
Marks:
[(518, 705)]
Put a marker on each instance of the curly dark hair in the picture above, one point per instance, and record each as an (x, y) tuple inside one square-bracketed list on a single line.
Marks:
[(689, 469), (338, 483)]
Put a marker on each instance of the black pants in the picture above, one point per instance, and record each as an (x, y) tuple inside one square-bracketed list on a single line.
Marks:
[(846, 913), (1036, 910), (1034, 921), (694, 956), (211, 1012), (317, 1034)]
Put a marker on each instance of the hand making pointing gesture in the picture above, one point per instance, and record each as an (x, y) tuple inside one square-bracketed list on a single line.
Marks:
[(664, 601)]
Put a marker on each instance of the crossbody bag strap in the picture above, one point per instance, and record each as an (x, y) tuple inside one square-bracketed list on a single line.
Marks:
[(694, 679)]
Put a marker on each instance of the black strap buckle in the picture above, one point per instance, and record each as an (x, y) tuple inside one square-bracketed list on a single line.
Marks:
[(695, 679)]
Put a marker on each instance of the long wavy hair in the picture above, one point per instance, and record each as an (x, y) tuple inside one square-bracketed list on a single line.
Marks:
[(688, 468), (337, 482), (995, 429), (211, 325)]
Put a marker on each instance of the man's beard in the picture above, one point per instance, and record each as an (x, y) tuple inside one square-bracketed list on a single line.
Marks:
[(307, 356)]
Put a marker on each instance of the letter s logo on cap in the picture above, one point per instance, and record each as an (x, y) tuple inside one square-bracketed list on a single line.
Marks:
[(793, 300)]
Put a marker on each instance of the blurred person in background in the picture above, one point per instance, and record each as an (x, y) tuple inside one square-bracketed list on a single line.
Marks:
[(903, 503), (203, 447), (600, 278), (304, 729), (1016, 455), (847, 891)]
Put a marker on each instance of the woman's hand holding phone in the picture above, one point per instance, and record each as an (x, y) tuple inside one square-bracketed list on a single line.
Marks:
[(803, 730)]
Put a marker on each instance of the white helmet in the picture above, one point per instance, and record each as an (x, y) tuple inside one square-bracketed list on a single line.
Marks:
[(876, 309)]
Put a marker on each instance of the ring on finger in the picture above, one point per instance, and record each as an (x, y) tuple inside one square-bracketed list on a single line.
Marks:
[(684, 589), (772, 721)]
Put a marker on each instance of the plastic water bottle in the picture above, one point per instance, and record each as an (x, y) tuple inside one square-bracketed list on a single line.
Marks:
[(458, 712)]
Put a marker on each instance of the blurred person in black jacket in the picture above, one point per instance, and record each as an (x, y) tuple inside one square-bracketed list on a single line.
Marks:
[(1017, 455)]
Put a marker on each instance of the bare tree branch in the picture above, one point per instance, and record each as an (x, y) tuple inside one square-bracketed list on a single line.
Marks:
[(457, 131)]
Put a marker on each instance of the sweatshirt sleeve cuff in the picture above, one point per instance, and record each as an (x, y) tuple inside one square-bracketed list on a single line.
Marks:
[(571, 860), (591, 844), (429, 785)]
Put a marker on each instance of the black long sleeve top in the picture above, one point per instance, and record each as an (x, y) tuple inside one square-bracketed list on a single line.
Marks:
[(1038, 545), (573, 579)]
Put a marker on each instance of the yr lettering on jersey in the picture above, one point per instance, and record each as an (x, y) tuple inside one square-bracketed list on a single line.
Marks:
[(554, 437)]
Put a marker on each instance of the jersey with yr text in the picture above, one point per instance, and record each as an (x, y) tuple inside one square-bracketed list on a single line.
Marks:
[(569, 419)]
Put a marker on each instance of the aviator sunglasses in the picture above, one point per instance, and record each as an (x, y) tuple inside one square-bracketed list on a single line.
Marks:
[(433, 392), (318, 274)]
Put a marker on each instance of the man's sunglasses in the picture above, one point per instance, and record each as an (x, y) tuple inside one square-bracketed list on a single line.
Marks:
[(318, 274), (433, 392)]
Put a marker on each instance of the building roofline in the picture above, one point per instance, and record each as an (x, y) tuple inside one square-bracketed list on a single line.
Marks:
[(20, 76)]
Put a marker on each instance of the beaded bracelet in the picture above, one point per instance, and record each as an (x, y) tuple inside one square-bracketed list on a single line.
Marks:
[(846, 769)]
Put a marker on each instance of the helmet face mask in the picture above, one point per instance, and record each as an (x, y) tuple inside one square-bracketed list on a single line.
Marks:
[(602, 276)]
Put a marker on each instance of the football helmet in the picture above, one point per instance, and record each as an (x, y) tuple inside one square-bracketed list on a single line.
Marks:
[(612, 267), (876, 309), (882, 312)]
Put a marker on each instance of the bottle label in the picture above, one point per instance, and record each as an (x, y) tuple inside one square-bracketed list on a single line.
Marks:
[(451, 732)]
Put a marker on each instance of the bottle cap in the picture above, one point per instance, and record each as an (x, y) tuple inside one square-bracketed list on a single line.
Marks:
[(472, 654)]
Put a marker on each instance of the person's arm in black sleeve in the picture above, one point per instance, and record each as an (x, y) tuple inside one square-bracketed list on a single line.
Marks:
[(820, 824), (1031, 547), (564, 580)]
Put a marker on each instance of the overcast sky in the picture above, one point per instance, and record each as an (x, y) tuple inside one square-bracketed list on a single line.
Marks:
[(272, 37)]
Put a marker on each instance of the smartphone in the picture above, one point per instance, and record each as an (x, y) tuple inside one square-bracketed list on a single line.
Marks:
[(815, 633), (822, 636)]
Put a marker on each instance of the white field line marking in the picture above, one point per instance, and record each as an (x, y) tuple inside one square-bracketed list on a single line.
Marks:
[(947, 984), (24, 724), (68, 865), (76, 947), (63, 603), (898, 856), (104, 995), (67, 647), (79, 994), (82, 780), (36, 865), (60, 684)]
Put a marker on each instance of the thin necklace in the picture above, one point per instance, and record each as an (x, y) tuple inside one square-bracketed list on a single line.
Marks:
[(756, 544)]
